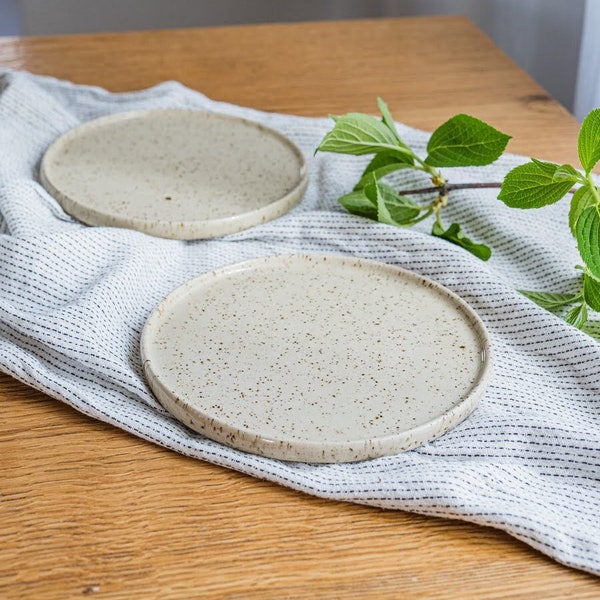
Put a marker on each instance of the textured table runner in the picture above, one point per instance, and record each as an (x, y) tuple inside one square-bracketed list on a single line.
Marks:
[(73, 301)]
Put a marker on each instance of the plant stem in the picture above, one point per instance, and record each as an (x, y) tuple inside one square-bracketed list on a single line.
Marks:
[(593, 189), (449, 187)]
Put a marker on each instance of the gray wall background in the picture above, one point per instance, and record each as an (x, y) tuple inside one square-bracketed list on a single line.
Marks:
[(542, 36), (9, 17)]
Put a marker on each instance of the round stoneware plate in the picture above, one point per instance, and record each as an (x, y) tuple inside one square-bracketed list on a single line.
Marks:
[(317, 358), (182, 174)]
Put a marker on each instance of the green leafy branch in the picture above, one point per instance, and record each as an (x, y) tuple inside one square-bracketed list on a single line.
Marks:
[(536, 184), (462, 141)]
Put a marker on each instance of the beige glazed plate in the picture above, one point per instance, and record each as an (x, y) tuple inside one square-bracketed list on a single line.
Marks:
[(316, 358), (182, 174)]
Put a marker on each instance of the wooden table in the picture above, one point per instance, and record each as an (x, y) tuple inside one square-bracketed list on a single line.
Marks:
[(88, 509)]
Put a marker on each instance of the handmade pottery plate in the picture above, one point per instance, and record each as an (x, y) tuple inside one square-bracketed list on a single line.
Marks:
[(316, 358), (182, 174)]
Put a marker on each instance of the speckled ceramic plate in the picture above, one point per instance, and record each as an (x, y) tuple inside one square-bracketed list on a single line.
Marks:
[(182, 174), (317, 358)]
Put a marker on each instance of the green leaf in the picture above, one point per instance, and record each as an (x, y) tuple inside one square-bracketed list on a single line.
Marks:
[(392, 208), (465, 141), (357, 203), (455, 235), (550, 300), (582, 199), (387, 119), (358, 134), (547, 167), (532, 185), (587, 233), (374, 193), (402, 209), (577, 316), (588, 143), (383, 164), (591, 291), (592, 328), (568, 173)]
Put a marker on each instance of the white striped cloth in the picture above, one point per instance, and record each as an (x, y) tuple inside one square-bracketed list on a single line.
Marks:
[(73, 300)]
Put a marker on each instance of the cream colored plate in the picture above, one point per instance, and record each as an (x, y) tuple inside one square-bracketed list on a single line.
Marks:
[(317, 358), (182, 174)]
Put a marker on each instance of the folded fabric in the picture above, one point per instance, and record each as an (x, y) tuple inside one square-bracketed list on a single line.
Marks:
[(73, 301)]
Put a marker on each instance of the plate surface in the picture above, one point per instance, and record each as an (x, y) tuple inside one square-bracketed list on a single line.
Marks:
[(182, 174), (317, 358)]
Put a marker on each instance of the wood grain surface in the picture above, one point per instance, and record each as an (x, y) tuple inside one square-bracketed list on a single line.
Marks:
[(89, 510)]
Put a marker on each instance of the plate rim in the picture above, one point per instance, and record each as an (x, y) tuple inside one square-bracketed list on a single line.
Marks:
[(184, 229), (304, 450)]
